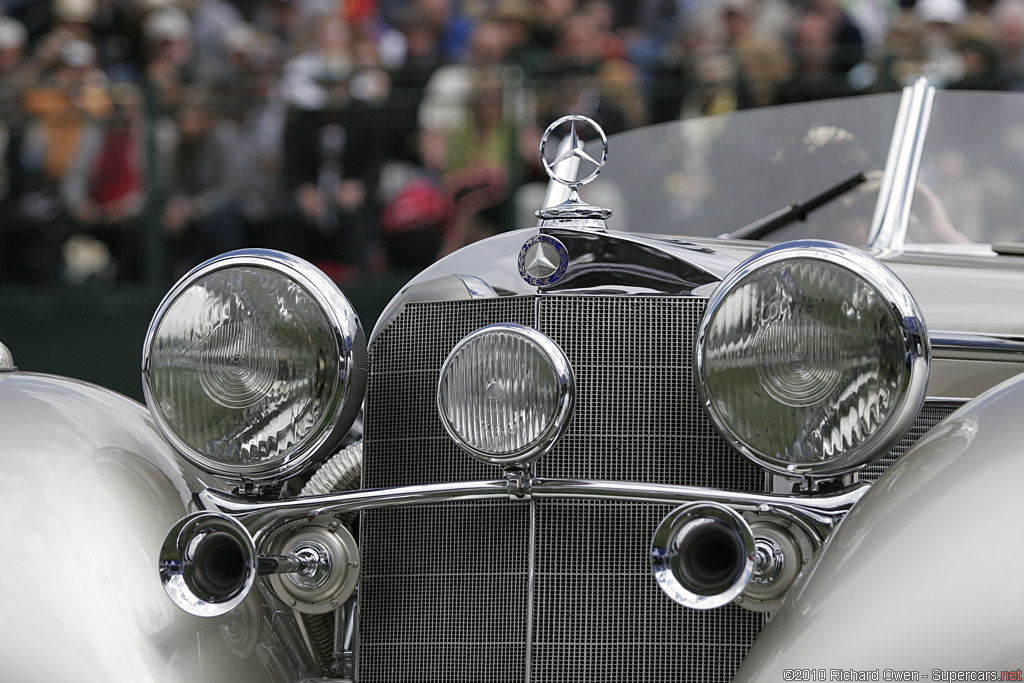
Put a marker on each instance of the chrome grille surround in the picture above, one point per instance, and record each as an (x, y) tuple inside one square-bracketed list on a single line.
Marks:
[(449, 592), (545, 591)]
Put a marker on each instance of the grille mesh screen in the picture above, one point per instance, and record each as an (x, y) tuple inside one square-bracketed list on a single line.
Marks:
[(599, 616), (931, 414), (637, 415), (445, 588), (445, 591), (406, 442)]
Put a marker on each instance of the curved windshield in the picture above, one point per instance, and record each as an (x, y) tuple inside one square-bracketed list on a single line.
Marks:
[(715, 175), (969, 187)]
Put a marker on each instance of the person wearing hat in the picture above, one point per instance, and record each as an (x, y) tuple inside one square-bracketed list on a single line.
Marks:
[(167, 35), (942, 22), (12, 54), (12, 46)]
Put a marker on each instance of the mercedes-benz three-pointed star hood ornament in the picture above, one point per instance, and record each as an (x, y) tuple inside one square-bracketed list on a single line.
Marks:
[(565, 169)]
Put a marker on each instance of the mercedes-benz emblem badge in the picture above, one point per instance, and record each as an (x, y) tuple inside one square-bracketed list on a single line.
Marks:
[(575, 150), (543, 260)]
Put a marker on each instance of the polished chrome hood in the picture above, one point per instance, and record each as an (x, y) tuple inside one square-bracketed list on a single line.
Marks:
[(599, 263), (965, 297), (968, 292)]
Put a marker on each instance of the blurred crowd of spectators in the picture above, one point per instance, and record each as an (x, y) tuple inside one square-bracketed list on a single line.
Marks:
[(366, 134)]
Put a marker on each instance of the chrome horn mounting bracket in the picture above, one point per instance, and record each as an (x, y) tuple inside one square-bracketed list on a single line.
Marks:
[(332, 568)]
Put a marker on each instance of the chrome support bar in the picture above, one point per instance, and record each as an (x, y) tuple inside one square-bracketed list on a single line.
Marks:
[(289, 564), (892, 213), (883, 208), (976, 345), (259, 517), (817, 514), (346, 626)]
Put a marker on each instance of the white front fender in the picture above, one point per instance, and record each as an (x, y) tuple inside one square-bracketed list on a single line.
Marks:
[(88, 489), (927, 571)]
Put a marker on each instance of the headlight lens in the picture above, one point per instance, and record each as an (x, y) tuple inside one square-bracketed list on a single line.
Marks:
[(505, 394), (812, 358), (254, 365)]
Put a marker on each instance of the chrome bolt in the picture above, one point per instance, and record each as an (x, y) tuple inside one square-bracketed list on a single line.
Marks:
[(769, 560)]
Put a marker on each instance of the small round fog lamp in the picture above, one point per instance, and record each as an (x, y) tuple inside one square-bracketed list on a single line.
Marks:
[(505, 394)]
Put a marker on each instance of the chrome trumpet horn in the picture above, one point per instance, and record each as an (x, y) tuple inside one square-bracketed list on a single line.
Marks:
[(702, 555), (208, 564)]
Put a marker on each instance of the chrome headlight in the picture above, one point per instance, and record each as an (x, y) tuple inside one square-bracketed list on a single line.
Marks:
[(505, 394), (812, 358), (254, 365)]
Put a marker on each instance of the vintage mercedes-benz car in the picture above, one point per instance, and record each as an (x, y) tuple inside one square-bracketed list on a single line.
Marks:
[(754, 419)]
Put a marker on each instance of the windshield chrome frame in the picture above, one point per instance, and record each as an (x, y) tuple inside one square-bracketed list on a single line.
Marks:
[(892, 212), (891, 218)]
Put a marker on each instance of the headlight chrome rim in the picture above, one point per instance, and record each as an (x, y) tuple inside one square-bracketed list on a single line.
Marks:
[(559, 421), (347, 334), (911, 329)]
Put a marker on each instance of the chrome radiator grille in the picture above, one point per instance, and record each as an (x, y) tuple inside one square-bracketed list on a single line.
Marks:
[(546, 591), (933, 412), (448, 592), (599, 616)]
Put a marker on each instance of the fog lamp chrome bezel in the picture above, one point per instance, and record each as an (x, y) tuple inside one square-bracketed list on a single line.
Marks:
[(910, 327), (566, 393), (349, 341)]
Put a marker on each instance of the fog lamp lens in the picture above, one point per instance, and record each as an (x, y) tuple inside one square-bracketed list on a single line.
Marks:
[(812, 358), (505, 394)]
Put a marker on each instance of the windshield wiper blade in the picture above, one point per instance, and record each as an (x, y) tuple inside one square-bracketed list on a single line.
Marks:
[(797, 211)]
